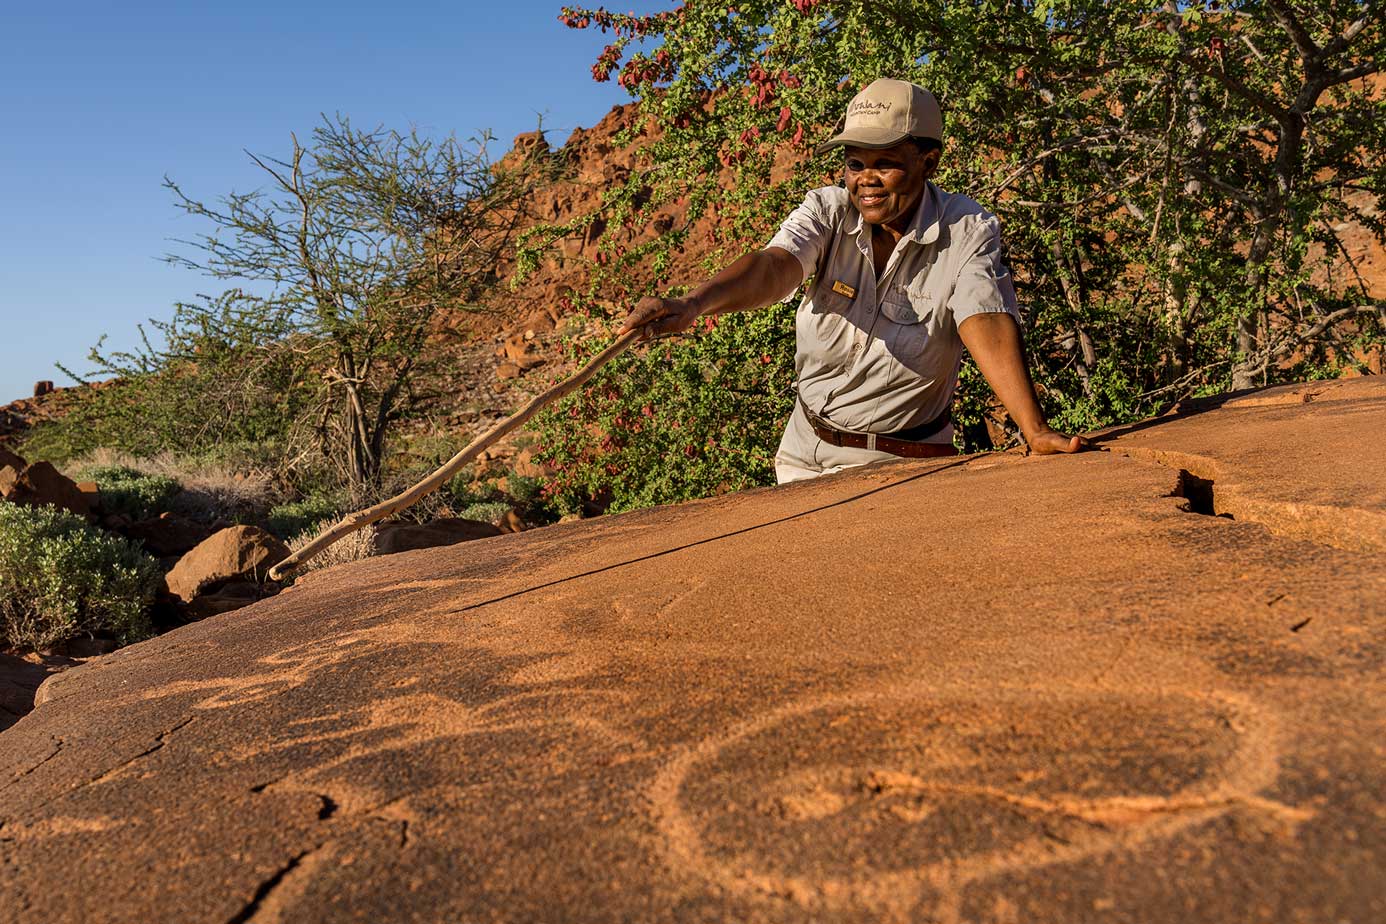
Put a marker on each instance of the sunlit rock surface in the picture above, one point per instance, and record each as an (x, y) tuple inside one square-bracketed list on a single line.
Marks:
[(993, 689)]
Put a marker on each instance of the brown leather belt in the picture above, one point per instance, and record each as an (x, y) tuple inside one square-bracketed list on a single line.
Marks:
[(881, 442)]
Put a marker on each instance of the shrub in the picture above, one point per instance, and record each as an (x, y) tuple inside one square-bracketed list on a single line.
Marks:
[(231, 483), (300, 516), (134, 493), (352, 547), (688, 419), (487, 512), (60, 578)]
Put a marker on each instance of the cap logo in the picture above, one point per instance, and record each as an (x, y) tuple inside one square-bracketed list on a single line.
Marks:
[(867, 107)]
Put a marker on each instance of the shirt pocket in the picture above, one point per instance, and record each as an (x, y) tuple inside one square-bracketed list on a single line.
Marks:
[(909, 319), (823, 333)]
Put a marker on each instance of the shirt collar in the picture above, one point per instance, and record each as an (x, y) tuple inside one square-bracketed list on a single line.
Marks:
[(924, 226)]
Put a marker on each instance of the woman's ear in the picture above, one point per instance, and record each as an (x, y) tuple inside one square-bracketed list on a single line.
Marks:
[(930, 162)]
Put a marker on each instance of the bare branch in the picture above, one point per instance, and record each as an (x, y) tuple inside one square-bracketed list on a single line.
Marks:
[(1304, 42)]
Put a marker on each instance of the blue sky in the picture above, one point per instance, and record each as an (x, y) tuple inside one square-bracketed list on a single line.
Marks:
[(101, 100)]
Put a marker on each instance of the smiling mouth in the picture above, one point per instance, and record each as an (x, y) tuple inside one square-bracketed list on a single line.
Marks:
[(871, 200)]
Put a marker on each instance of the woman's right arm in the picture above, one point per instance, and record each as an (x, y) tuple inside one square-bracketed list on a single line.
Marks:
[(760, 278)]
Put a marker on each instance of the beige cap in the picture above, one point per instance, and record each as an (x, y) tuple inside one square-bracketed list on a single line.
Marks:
[(886, 113)]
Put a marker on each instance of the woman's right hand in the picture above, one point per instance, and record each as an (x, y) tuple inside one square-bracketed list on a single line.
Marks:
[(658, 317)]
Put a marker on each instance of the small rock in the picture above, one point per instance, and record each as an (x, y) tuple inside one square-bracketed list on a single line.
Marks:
[(525, 466), (43, 387), (507, 371), (512, 523)]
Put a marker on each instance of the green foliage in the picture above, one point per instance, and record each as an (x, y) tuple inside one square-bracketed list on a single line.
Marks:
[(528, 495), (136, 494), (60, 578), (217, 375), (686, 419), (288, 521), (1173, 181)]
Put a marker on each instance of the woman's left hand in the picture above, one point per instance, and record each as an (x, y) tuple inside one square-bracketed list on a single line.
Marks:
[(1046, 442)]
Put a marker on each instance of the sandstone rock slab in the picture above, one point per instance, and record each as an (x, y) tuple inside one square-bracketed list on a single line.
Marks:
[(982, 689)]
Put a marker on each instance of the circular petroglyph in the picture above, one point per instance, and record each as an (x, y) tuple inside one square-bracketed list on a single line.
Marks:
[(882, 800)]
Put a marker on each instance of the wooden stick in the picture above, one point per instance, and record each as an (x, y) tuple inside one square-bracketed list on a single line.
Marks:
[(352, 522)]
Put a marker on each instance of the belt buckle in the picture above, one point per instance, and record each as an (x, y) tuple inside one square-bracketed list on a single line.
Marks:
[(871, 441)]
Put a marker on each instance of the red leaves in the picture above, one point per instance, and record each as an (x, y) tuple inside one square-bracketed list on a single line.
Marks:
[(805, 6), (766, 84), (606, 63), (785, 116)]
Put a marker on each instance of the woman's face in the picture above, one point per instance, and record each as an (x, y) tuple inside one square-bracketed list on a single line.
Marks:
[(885, 185)]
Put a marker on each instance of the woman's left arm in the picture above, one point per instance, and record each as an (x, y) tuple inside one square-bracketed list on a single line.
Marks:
[(994, 341)]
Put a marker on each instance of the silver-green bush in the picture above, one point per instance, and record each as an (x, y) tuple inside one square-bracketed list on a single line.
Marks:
[(60, 578)]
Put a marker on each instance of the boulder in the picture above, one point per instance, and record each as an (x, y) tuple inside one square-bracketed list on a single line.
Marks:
[(233, 554), (168, 534), (20, 678), (40, 483), (230, 596), (11, 460), (43, 387), (406, 537), (92, 492)]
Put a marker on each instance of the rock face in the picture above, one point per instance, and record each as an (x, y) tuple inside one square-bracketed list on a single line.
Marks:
[(399, 537), (40, 483), (232, 554), (984, 689)]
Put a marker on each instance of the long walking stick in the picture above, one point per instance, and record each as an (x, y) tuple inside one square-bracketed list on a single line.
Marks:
[(354, 521)]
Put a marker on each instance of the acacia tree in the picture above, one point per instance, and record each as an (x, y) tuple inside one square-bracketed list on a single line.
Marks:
[(1174, 180), (345, 259)]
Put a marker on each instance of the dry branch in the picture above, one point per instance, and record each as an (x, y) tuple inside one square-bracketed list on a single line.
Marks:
[(352, 522)]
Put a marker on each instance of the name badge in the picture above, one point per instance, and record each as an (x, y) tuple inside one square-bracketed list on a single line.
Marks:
[(842, 288)]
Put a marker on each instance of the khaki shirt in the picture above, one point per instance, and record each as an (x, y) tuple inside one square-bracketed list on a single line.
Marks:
[(881, 355)]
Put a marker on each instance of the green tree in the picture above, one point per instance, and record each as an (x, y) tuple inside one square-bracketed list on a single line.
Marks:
[(1174, 180), (359, 241), (342, 265)]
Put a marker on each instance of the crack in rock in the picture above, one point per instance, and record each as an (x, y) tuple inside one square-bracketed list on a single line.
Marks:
[(1200, 483)]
